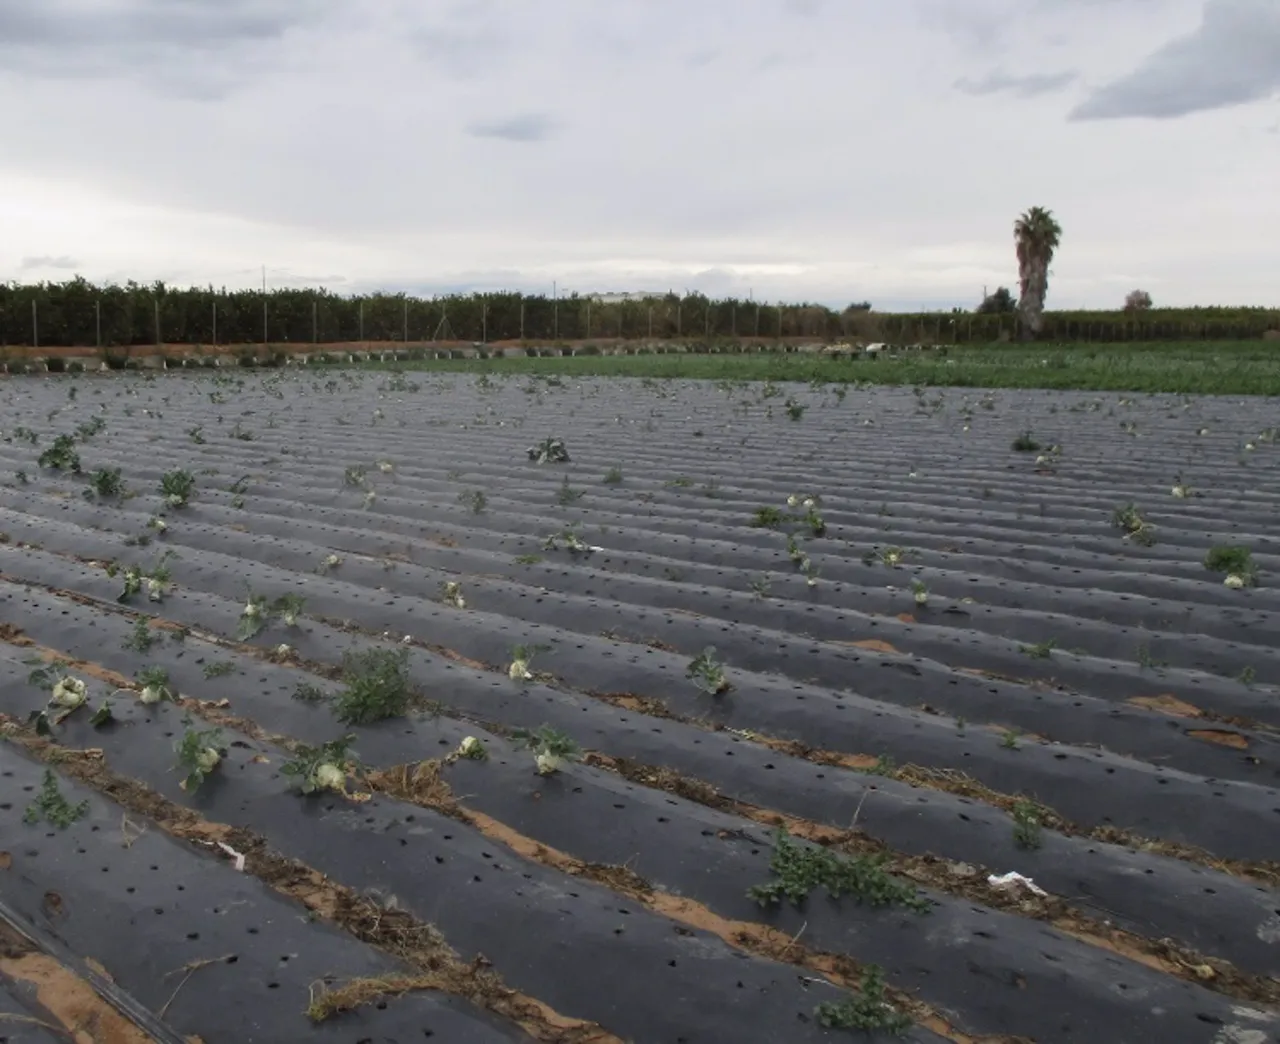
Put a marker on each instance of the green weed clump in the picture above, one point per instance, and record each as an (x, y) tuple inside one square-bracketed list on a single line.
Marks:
[(51, 806), (376, 686), (799, 869), (105, 482), (1026, 824), (870, 1011), (62, 455)]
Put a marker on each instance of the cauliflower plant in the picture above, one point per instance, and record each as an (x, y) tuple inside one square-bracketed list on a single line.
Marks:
[(471, 748), (289, 607), (154, 682), (317, 769), (254, 618), (199, 753), (69, 693), (521, 657), (551, 749)]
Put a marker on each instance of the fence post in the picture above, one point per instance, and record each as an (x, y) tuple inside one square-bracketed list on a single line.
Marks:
[(35, 324), (315, 324), (264, 320), (97, 323), (404, 323), (706, 323), (733, 319), (779, 322), (215, 322), (588, 337), (484, 323), (757, 320), (679, 317), (155, 302), (555, 318), (361, 320), (651, 322)]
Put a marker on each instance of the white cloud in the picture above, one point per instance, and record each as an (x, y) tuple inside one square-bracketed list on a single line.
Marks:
[(797, 148)]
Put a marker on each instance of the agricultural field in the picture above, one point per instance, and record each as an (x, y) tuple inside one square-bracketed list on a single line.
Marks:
[(1216, 368), (361, 705)]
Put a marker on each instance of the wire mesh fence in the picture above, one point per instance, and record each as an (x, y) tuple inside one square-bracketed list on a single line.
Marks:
[(80, 314)]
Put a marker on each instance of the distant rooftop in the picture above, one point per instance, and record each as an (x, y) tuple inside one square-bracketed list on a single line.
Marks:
[(614, 296)]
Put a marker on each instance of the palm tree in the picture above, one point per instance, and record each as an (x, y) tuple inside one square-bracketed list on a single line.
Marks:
[(1037, 236)]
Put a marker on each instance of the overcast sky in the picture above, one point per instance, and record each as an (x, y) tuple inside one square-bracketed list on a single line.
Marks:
[(831, 150)]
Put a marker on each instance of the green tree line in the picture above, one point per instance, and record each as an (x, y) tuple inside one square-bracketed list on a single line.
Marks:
[(78, 313)]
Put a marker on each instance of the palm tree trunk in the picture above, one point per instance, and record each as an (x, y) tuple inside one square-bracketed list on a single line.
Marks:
[(1034, 278)]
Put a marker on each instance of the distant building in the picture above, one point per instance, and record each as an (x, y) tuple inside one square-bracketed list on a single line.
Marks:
[(616, 296)]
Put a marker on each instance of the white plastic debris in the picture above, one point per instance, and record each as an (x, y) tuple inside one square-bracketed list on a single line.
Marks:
[(1012, 880), (237, 856)]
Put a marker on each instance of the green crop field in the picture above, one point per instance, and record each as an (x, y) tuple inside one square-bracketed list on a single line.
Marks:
[(1222, 368)]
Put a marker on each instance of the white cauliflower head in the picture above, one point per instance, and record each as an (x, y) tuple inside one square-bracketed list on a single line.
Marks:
[(69, 692)]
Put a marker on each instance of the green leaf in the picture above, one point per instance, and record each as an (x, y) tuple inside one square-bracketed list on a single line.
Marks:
[(103, 715), (39, 720)]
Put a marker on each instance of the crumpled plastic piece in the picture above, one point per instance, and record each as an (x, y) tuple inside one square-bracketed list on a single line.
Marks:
[(1012, 880)]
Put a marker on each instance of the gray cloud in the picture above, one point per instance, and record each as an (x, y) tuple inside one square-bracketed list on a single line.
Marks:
[(63, 262), (199, 24), (465, 43), (1232, 58), (525, 127), (988, 26), (804, 8), (1021, 86), (76, 39), (976, 26)]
